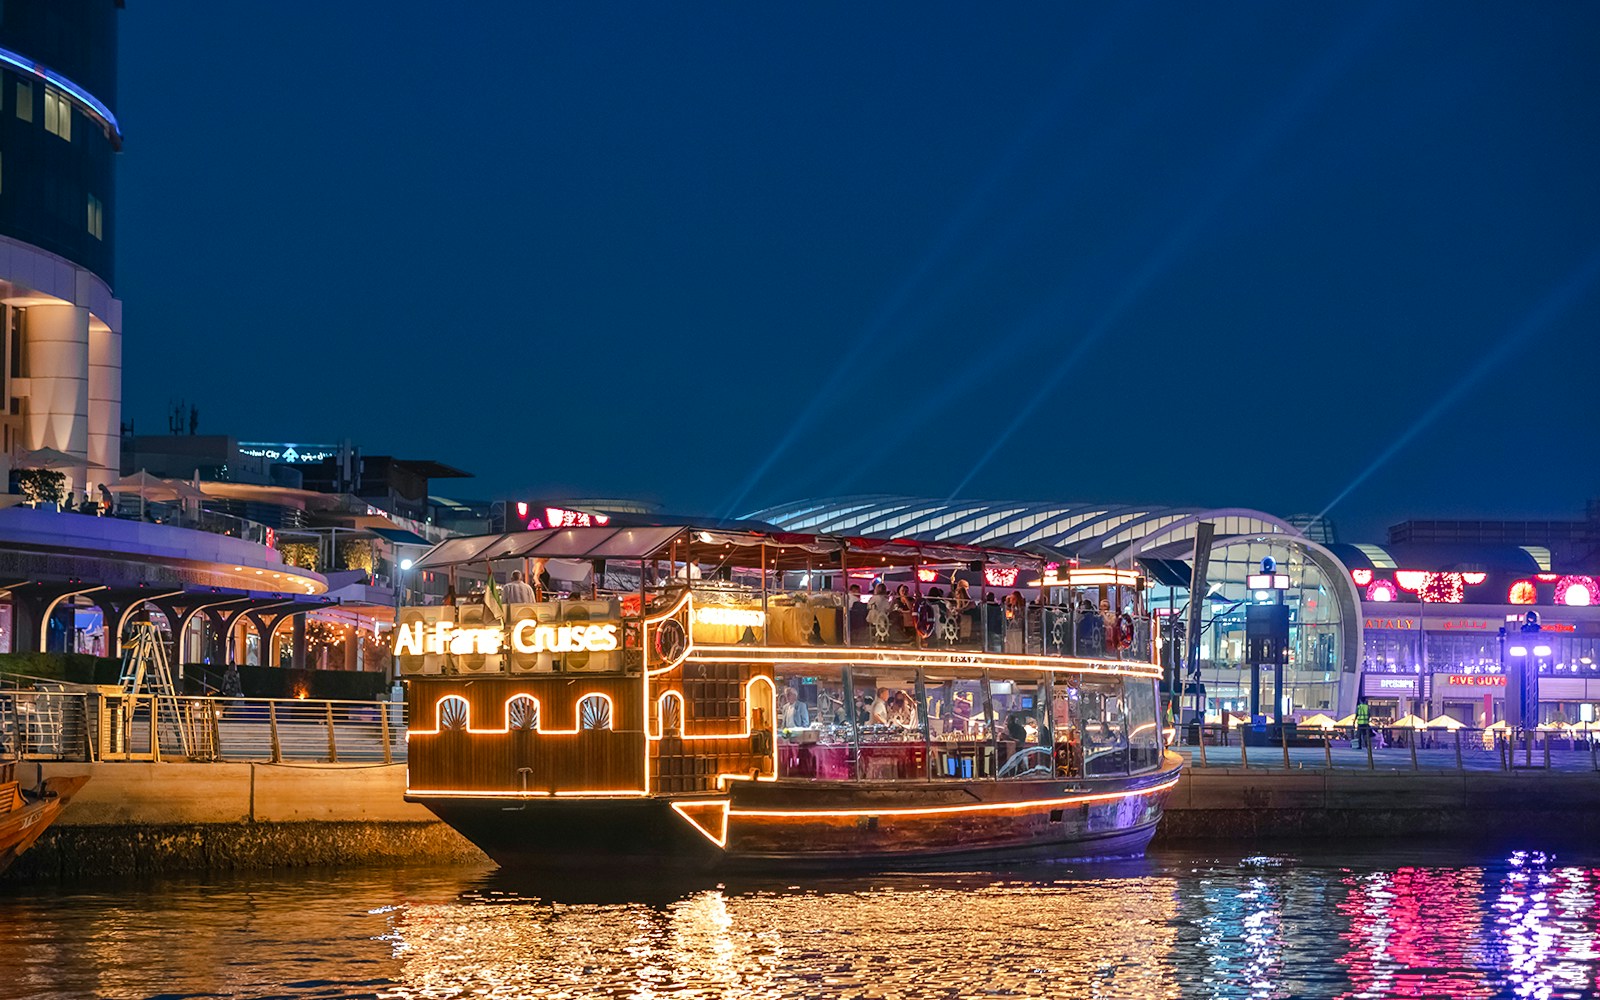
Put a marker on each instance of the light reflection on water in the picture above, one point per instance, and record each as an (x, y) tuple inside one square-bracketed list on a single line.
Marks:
[(1174, 925)]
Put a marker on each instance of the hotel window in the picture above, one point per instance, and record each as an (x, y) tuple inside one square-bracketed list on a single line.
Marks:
[(57, 113), (25, 100), (96, 218)]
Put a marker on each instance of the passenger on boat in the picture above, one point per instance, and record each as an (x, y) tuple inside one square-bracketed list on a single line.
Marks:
[(901, 711), (517, 591), (1089, 628), (1017, 728), (1014, 604), (878, 714), (795, 713), (903, 619), (931, 616), (994, 623), (857, 613), (1108, 626), (880, 611)]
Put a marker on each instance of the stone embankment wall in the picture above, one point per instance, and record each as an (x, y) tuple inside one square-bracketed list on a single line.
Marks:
[(1239, 805), (134, 818)]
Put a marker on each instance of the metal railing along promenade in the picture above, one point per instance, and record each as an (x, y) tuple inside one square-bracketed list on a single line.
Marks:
[(91, 726), (1391, 748)]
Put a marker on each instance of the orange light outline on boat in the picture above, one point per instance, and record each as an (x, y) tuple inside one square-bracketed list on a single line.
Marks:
[(612, 705), (675, 693), (882, 657), (871, 657), (688, 646), (721, 842), (449, 793), (943, 810), (725, 776)]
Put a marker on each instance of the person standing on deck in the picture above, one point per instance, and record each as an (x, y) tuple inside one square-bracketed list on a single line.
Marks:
[(517, 591), (1363, 722)]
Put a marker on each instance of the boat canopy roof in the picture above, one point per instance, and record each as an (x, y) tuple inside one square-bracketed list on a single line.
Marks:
[(684, 542)]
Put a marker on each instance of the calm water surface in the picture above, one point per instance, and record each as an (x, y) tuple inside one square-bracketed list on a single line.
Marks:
[(1171, 925)]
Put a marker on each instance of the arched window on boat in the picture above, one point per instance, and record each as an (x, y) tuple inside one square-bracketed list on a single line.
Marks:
[(453, 713), (669, 715), (760, 697), (760, 704), (522, 712), (594, 712)]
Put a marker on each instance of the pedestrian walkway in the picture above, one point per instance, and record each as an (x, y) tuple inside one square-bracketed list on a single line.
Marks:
[(1392, 758)]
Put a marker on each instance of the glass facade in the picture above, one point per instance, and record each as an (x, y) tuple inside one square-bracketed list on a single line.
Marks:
[(58, 190), (1312, 674)]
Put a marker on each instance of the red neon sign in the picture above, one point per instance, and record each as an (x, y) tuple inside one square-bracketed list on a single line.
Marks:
[(1000, 576)]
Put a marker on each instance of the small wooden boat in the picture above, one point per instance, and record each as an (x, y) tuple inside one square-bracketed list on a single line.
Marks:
[(24, 816), (731, 698)]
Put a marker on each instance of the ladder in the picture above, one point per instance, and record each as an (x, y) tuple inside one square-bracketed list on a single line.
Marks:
[(144, 665)]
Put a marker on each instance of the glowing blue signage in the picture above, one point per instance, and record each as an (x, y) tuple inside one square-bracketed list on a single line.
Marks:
[(89, 102)]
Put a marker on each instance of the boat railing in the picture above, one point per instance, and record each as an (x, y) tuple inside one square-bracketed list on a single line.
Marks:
[(94, 726), (833, 618)]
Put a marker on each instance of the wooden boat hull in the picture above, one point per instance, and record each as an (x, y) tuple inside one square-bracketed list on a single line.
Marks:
[(821, 825), (26, 819)]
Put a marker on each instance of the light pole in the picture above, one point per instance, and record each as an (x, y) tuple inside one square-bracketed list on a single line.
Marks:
[(402, 566), (1523, 654), (1267, 634)]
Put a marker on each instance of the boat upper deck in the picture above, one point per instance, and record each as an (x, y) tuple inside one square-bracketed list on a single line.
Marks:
[(628, 598)]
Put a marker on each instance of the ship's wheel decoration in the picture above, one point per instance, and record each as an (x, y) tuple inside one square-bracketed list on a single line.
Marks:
[(1059, 632), (671, 640), (950, 629), (523, 713), (453, 713), (594, 712), (878, 624)]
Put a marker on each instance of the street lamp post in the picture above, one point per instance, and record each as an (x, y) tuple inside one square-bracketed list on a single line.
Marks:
[(1267, 634), (1521, 656), (402, 567)]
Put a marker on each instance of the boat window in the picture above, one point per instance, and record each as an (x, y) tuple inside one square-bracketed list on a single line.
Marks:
[(522, 712), (1103, 728), (1144, 722), (594, 712), (963, 734), (453, 713), (873, 728), (814, 728), (1023, 738), (760, 698), (669, 715), (1066, 713)]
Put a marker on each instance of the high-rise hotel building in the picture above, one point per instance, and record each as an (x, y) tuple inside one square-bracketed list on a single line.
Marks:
[(62, 322)]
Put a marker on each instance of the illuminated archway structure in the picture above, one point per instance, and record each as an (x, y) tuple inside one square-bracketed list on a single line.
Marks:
[(1325, 635)]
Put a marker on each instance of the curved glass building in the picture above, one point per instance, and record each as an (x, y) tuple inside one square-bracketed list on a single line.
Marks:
[(62, 323), (1324, 607)]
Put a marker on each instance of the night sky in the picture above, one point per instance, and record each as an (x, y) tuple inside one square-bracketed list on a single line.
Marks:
[(1282, 256)]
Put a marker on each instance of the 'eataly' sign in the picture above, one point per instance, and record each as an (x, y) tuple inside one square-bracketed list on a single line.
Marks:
[(527, 636)]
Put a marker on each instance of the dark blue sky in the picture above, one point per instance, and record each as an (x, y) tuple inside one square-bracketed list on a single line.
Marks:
[(725, 255)]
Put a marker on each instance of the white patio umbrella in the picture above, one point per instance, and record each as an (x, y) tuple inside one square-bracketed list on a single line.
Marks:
[(48, 458), (149, 488)]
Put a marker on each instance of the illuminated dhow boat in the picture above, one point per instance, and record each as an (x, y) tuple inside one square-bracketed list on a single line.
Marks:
[(694, 696)]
